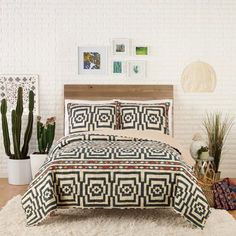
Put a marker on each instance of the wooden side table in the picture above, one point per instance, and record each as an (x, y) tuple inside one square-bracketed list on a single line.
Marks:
[(204, 169)]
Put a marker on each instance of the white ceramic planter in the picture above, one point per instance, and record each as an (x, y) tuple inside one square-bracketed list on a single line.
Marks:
[(204, 156), (19, 171), (36, 161)]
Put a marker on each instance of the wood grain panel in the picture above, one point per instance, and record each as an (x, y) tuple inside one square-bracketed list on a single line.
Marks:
[(103, 92)]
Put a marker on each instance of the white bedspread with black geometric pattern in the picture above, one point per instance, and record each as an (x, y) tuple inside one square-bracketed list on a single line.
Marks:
[(108, 171)]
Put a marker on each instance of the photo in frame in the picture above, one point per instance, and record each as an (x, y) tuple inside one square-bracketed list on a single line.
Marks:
[(137, 69), (121, 47), (118, 67), (92, 60), (141, 51)]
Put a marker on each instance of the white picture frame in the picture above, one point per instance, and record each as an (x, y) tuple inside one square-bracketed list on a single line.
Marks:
[(121, 47), (141, 50), (137, 69), (118, 67), (92, 60)]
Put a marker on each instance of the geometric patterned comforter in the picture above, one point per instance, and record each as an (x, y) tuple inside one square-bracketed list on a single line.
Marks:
[(110, 171)]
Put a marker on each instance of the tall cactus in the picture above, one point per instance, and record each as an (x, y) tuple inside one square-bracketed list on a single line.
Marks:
[(19, 112), (16, 118), (15, 128), (5, 131), (29, 128)]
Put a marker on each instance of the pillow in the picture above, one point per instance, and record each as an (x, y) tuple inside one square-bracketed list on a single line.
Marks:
[(145, 116), (89, 117), (170, 111), (77, 101)]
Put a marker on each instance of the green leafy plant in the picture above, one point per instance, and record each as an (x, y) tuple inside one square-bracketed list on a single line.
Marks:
[(217, 128), (16, 119), (136, 69), (45, 134), (201, 150)]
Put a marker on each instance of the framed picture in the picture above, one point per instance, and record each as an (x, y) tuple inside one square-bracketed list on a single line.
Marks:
[(137, 69), (92, 60), (120, 47), (141, 50), (118, 67)]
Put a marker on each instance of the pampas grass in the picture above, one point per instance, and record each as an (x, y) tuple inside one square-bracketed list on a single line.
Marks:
[(217, 128)]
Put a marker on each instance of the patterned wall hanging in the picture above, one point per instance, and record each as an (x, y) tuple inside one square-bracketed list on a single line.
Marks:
[(9, 85)]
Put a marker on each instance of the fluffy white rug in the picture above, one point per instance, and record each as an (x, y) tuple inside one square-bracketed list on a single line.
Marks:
[(112, 222)]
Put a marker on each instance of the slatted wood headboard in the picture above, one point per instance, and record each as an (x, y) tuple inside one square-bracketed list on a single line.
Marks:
[(131, 92)]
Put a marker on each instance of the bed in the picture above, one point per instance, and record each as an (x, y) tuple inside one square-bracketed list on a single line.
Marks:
[(117, 152)]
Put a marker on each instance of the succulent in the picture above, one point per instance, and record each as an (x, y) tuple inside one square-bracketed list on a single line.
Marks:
[(45, 134), (16, 119), (201, 150)]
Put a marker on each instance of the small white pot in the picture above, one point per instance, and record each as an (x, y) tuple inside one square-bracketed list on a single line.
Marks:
[(204, 156), (37, 161), (19, 171)]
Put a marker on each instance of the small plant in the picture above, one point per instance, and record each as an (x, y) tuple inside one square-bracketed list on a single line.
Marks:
[(16, 120), (45, 134), (201, 150), (136, 69)]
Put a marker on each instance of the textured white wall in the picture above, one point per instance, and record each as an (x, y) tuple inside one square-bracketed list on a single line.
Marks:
[(42, 36)]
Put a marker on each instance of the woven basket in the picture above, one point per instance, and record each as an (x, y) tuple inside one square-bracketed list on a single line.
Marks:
[(206, 186)]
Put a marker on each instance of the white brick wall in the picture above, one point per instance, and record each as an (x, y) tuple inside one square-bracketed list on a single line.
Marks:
[(42, 36)]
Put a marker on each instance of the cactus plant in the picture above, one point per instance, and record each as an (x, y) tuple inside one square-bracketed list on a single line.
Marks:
[(45, 134), (16, 118)]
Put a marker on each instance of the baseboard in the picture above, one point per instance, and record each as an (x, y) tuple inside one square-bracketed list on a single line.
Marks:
[(3, 175)]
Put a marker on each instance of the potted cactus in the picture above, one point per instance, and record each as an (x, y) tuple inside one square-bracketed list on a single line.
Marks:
[(19, 170), (45, 137)]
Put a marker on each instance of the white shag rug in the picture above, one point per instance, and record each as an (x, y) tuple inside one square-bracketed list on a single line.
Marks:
[(113, 222)]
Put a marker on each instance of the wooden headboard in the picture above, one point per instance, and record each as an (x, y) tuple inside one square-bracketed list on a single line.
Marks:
[(130, 92)]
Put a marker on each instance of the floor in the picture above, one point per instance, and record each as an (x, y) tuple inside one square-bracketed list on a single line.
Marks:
[(8, 191)]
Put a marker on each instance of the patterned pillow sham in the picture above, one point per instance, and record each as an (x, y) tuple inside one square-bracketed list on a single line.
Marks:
[(144, 116), (89, 117)]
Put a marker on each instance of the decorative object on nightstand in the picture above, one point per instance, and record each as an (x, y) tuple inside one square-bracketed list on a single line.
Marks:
[(19, 171), (203, 153), (217, 129), (45, 137), (196, 145)]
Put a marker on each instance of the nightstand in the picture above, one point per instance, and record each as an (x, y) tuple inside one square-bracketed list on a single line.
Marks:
[(204, 169)]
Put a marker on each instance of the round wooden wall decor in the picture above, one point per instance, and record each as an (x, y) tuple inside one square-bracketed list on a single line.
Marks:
[(198, 77)]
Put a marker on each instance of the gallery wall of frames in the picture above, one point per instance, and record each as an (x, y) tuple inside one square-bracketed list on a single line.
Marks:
[(114, 60)]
